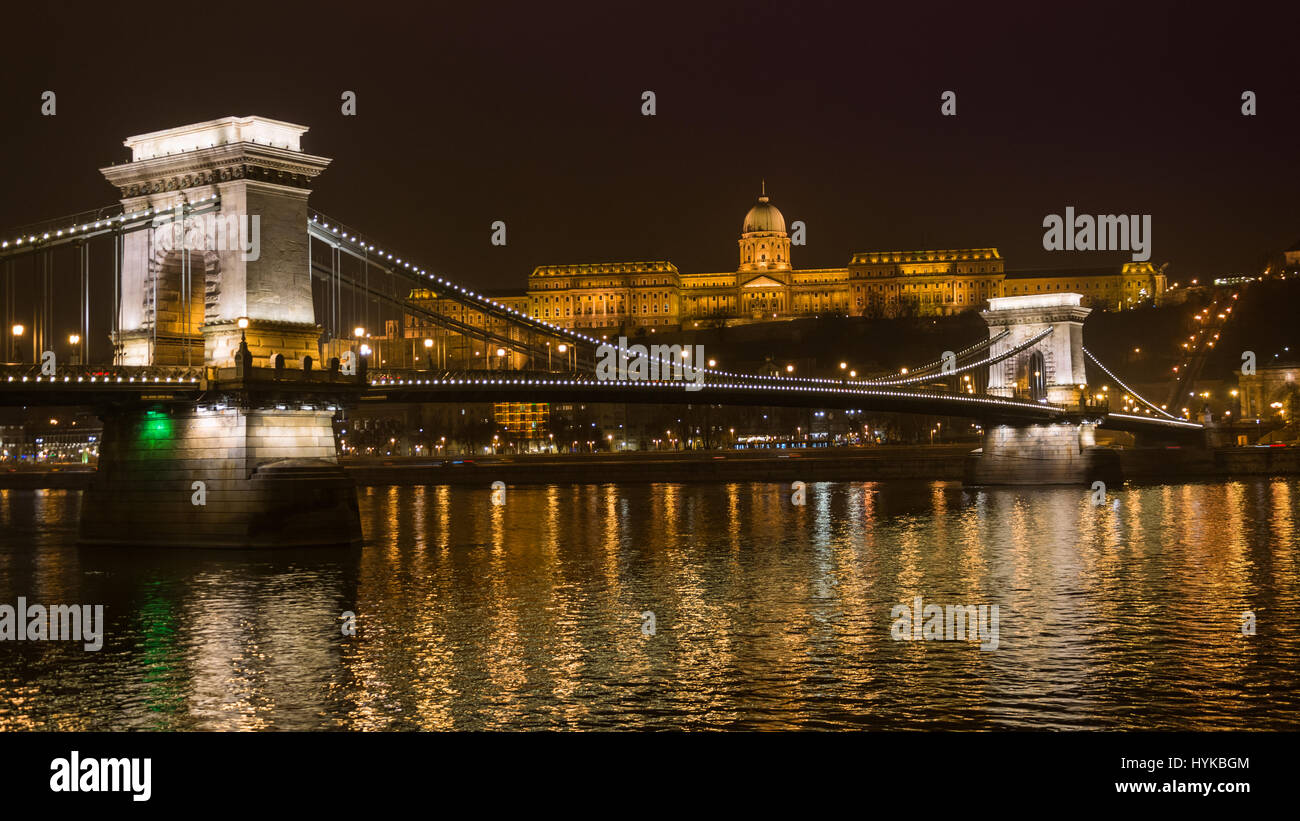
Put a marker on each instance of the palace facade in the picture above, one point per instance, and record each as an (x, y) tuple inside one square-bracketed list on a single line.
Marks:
[(627, 297)]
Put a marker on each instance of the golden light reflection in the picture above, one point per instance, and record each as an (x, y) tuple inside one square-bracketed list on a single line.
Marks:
[(529, 615)]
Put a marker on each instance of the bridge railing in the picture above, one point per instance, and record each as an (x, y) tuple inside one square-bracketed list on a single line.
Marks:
[(97, 374)]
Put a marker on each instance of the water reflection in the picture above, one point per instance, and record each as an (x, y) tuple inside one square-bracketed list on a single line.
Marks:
[(768, 615)]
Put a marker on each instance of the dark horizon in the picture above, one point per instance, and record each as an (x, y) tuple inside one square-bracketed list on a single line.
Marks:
[(467, 116)]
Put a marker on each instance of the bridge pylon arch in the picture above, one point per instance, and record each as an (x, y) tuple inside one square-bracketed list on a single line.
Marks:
[(239, 186)]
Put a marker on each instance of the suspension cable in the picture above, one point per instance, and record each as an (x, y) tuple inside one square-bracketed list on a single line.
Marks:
[(1119, 382)]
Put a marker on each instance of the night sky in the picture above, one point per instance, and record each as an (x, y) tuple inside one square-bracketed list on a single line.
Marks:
[(531, 114)]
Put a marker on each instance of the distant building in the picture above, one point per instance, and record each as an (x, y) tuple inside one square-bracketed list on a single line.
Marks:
[(1272, 393), (1105, 288), (525, 422), (1291, 256)]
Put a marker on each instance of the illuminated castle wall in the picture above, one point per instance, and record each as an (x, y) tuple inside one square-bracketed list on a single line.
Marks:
[(627, 297)]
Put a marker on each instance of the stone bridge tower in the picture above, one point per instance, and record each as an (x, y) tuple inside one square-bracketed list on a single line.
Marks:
[(253, 462), (1053, 369), (187, 281)]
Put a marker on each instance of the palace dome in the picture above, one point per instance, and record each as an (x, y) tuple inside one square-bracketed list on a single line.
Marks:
[(764, 217)]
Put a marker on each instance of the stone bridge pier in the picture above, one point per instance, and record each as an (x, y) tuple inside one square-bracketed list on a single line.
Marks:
[(1050, 371), (222, 281)]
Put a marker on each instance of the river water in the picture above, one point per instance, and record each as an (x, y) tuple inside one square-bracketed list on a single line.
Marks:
[(766, 615)]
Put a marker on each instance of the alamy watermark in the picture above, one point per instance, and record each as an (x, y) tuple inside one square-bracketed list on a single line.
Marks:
[(77, 774), (1104, 232), (955, 622), (637, 363), (241, 233), (57, 622)]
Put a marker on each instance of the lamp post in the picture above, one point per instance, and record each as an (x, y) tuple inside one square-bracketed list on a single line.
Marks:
[(17, 333), (359, 333), (243, 357), (428, 354), (74, 340)]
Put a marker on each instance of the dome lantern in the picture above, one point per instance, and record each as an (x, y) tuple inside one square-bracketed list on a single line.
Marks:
[(764, 217)]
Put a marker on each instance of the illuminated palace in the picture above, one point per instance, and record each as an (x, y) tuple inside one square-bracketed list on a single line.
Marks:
[(631, 297)]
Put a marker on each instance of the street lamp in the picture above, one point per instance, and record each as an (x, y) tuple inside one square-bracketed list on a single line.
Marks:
[(75, 340), (17, 332), (243, 359)]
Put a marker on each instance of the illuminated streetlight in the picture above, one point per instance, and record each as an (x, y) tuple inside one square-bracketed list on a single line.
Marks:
[(242, 324)]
